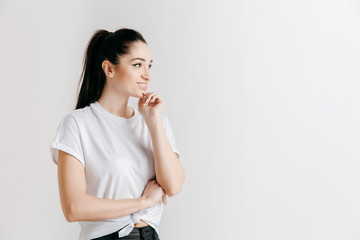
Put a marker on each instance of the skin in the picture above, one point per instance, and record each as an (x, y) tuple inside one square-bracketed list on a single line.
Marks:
[(121, 83)]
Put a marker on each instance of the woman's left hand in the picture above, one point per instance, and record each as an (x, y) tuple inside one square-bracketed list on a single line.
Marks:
[(150, 105)]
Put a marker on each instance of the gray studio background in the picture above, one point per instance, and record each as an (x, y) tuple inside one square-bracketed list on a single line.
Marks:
[(263, 97)]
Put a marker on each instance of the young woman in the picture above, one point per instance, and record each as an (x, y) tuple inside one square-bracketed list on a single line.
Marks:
[(116, 164)]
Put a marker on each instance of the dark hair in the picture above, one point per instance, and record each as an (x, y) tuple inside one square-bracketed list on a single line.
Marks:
[(103, 45)]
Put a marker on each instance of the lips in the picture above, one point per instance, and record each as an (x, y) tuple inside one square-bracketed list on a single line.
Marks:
[(143, 85)]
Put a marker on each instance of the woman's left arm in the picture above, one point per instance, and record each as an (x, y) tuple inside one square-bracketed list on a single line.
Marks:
[(170, 173)]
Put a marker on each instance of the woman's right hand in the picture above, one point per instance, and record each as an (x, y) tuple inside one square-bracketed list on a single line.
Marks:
[(153, 193)]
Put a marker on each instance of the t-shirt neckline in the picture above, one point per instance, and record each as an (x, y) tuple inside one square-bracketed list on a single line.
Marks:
[(109, 115)]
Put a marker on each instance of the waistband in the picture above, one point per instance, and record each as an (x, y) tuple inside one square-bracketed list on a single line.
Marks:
[(144, 229), (115, 234)]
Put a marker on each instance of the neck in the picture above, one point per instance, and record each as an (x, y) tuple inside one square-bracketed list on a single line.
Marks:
[(115, 104)]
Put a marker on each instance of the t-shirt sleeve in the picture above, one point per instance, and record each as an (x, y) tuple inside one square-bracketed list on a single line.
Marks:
[(67, 139), (170, 135)]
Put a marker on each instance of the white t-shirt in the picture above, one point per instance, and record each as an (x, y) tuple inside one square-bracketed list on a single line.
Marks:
[(118, 159)]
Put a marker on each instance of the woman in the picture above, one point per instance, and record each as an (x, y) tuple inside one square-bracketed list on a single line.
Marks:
[(116, 164)]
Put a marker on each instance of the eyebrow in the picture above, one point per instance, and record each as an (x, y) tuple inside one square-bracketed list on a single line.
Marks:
[(140, 59)]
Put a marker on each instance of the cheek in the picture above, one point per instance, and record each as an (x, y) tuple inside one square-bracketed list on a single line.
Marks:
[(128, 83), (127, 77), (130, 74)]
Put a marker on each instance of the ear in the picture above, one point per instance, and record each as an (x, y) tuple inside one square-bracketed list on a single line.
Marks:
[(108, 68)]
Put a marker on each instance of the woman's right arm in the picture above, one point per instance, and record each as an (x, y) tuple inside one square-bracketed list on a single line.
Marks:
[(77, 205)]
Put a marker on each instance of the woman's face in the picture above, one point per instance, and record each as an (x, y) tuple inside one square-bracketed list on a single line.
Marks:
[(134, 68)]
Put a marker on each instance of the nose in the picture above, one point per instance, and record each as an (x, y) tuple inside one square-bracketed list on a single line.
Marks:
[(146, 74)]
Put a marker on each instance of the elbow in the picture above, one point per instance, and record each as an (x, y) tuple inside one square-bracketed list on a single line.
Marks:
[(175, 187), (175, 190), (70, 214), (69, 218), (75, 209)]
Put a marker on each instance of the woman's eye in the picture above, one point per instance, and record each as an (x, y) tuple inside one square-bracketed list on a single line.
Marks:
[(140, 65)]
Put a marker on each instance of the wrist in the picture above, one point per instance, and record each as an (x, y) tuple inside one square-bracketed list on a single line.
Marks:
[(154, 121), (144, 203)]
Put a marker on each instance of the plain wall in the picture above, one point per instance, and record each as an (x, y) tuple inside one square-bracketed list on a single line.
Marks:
[(263, 97)]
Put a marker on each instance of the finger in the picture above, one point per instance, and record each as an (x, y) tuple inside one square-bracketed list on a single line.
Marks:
[(158, 98), (146, 94), (144, 98), (154, 98), (148, 98)]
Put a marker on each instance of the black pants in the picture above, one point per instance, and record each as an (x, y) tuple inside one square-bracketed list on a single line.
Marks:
[(142, 233)]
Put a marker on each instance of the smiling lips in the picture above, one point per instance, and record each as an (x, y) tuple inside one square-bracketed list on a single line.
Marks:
[(143, 85)]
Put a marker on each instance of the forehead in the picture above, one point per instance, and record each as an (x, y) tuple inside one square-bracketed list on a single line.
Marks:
[(139, 50)]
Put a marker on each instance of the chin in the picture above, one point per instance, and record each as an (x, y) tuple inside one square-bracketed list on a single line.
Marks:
[(143, 91), (140, 94)]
